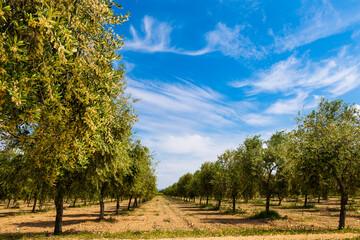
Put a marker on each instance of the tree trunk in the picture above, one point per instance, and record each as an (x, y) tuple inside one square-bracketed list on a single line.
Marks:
[(200, 200), (59, 204), (344, 199), (102, 206), (129, 202), (102, 210), (234, 202), (280, 200), (74, 203), (8, 205), (219, 204), (319, 199), (306, 200), (117, 205), (34, 206), (207, 200), (135, 203), (267, 208)]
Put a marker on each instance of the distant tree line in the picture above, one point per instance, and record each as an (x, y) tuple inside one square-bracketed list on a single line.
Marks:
[(65, 120), (319, 158)]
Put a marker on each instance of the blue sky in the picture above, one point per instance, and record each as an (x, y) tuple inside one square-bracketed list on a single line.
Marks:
[(210, 73)]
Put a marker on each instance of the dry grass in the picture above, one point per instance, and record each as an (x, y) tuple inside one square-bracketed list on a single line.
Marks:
[(165, 217)]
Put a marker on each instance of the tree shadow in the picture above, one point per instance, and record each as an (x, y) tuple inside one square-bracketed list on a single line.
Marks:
[(49, 224), (7, 214), (37, 235), (234, 221), (337, 213), (90, 215), (211, 214), (198, 209), (21, 212)]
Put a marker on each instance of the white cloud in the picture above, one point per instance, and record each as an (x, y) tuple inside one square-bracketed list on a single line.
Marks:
[(307, 80), (186, 152), (188, 124), (258, 119), (280, 77), (157, 38), (185, 99), (320, 19), (231, 42), (194, 144), (334, 76), (288, 106)]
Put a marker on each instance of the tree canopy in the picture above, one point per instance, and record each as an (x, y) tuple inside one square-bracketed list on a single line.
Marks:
[(63, 109)]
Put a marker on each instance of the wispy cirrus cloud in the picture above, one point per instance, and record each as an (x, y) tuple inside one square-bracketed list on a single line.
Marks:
[(187, 100), (156, 37), (334, 76), (185, 123), (288, 106), (319, 19), (231, 42), (305, 79), (256, 119)]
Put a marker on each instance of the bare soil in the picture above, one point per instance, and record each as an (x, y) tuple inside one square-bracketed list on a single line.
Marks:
[(162, 213)]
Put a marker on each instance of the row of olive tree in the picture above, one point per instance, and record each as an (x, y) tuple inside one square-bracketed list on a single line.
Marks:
[(318, 158), (65, 120), (137, 180)]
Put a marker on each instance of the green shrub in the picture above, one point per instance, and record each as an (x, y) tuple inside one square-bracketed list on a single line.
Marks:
[(237, 211), (271, 214)]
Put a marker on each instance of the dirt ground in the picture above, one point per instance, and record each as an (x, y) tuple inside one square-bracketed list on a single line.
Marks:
[(281, 237), (163, 213)]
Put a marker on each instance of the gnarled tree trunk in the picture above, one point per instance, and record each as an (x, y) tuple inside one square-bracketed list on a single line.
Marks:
[(267, 208), (344, 199), (34, 206), (59, 204), (234, 202), (117, 205), (102, 206), (129, 202)]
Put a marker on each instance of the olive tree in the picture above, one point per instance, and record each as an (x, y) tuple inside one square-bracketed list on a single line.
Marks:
[(331, 135), (271, 167), (58, 87), (206, 180)]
